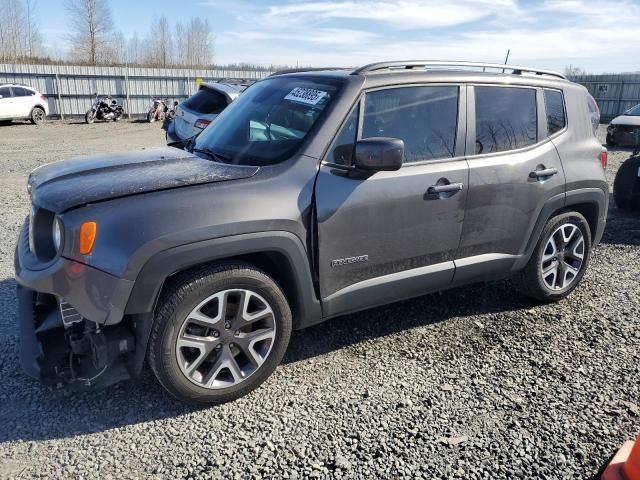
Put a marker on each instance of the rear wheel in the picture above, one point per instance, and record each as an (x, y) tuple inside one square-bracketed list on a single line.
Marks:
[(37, 116), (219, 333), (559, 260)]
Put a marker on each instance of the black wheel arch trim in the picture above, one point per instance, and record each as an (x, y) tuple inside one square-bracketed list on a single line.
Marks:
[(163, 265)]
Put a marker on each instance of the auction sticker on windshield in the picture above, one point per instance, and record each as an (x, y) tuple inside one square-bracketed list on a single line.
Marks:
[(308, 96)]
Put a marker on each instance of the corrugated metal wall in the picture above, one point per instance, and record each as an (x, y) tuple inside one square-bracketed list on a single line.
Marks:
[(614, 93), (69, 88)]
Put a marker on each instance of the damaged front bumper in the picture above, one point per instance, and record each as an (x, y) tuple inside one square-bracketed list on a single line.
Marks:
[(71, 323)]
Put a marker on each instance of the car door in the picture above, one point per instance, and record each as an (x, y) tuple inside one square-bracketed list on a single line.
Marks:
[(388, 235), (22, 102), (514, 173), (6, 103)]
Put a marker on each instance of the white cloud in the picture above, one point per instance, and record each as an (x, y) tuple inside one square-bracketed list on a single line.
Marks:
[(598, 35), (401, 14)]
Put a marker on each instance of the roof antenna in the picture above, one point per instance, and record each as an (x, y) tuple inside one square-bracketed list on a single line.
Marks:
[(506, 60)]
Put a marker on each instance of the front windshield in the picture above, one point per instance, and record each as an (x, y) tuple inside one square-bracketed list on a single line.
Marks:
[(634, 112), (268, 122)]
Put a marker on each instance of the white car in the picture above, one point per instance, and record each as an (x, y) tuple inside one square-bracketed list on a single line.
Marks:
[(198, 111), (19, 102)]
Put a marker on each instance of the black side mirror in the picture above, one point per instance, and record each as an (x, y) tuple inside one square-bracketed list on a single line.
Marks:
[(379, 154), (175, 104)]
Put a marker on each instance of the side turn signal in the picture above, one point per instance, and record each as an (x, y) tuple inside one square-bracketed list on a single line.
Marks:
[(88, 232)]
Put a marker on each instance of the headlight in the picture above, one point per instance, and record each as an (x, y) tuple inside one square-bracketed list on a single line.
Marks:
[(56, 234), (32, 243)]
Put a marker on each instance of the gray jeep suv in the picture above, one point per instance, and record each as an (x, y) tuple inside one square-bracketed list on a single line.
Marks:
[(313, 195)]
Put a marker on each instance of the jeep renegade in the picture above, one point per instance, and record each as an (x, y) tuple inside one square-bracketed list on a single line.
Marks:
[(315, 194)]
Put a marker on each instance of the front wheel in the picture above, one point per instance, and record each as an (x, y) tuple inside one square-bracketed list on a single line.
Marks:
[(559, 260), (90, 116), (151, 116), (219, 333)]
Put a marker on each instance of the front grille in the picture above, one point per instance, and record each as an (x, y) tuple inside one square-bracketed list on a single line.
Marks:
[(627, 128), (69, 314)]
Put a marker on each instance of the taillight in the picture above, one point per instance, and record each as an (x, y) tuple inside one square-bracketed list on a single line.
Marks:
[(603, 157), (44, 99), (202, 123)]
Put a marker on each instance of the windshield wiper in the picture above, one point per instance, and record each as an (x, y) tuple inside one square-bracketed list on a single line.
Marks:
[(212, 155)]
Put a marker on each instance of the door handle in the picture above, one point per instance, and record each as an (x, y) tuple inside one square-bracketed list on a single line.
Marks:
[(544, 172), (448, 188)]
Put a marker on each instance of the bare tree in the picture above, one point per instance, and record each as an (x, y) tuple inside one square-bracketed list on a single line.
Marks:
[(34, 40), (93, 26), (571, 71), (134, 55), (199, 51), (159, 44)]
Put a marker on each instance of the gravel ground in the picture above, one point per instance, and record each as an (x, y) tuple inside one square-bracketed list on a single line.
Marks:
[(476, 382)]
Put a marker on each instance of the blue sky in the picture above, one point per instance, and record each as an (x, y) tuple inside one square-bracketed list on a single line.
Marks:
[(596, 35)]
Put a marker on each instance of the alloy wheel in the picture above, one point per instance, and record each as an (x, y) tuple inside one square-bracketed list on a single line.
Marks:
[(226, 338), (563, 257)]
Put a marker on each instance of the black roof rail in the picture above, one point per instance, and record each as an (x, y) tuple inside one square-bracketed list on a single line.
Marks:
[(302, 70), (413, 64)]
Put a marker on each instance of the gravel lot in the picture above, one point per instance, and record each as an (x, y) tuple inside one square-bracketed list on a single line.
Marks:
[(472, 383)]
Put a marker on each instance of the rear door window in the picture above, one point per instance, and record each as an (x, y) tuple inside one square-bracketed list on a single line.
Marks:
[(425, 118), (556, 117), (19, 92), (206, 101), (506, 118)]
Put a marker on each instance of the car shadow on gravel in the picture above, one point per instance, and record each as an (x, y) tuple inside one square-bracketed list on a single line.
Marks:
[(30, 411), (341, 332), (623, 226)]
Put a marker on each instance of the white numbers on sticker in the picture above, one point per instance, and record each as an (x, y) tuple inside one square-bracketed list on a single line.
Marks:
[(308, 96)]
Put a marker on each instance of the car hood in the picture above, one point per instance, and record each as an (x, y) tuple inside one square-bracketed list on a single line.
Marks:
[(67, 184), (633, 120)]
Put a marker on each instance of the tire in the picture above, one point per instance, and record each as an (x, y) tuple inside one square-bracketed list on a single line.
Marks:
[(610, 142), (189, 373), (532, 281), (151, 116), (89, 117), (37, 116), (626, 186)]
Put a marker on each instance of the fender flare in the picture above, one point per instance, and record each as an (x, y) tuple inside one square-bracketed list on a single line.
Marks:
[(161, 266), (591, 196)]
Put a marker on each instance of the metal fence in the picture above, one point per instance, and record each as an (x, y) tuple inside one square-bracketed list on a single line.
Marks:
[(614, 93), (69, 88)]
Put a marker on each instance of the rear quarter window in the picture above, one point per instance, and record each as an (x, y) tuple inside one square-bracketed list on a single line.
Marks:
[(206, 101), (556, 116)]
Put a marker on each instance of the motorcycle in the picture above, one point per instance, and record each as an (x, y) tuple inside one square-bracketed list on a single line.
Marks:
[(158, 109), (169, 116), (103, 108)]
